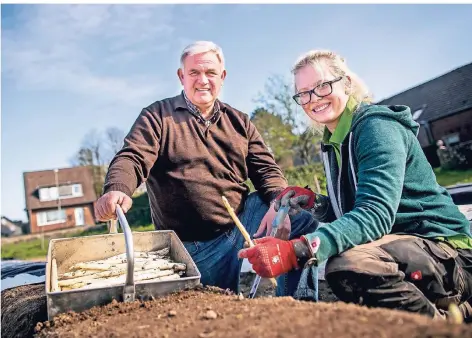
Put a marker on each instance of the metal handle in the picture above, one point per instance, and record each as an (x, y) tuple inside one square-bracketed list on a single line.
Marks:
[(129, 289), (279, 218)]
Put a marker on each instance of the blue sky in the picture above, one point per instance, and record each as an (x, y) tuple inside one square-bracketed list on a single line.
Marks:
[(69, 69)]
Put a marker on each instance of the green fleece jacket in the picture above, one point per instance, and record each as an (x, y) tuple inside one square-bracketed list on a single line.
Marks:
[(384, 184)]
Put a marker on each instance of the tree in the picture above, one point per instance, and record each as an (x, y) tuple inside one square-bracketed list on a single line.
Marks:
[(277, 135), (97, 151), (277, 99), (114, 138), (307, 145)]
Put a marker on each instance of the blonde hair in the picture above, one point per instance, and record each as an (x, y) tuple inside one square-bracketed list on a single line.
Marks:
[(338, 67)]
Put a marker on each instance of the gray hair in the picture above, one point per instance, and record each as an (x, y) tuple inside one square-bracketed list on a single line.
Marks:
[(338, 67), (200, 47)]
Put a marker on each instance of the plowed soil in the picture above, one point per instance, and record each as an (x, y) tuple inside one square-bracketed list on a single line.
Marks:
[(211, 312)]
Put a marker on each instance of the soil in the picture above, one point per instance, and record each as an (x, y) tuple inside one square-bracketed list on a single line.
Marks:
[(212, 312), (22, 308)]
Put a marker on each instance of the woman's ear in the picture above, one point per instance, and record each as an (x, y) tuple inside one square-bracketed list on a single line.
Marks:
[(348, 85)]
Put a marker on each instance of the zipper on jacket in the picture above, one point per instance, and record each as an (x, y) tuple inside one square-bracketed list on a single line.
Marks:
[(339, 176), (353, 173), (329, 184)]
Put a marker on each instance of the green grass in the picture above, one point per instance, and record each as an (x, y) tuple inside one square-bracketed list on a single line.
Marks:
[(25, 250), (33, 250), (451, 177)]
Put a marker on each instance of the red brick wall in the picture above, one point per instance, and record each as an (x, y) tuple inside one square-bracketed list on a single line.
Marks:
[(461, 123), (69, 223)]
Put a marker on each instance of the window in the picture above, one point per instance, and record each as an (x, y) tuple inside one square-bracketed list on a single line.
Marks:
[(77, 190), (48, 194), (64, 191), (51, 217), (451, 138)]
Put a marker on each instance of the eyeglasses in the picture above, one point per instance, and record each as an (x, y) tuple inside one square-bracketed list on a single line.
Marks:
[(322, 90)]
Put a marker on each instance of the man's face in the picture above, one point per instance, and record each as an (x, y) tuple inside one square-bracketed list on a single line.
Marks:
[(202, 77)]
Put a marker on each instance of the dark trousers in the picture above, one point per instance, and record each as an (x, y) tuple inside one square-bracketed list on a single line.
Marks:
[(402, 272)]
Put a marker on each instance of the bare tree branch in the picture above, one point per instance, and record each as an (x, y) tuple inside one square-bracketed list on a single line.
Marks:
[(96, 151), (114, 138), (277, 99)]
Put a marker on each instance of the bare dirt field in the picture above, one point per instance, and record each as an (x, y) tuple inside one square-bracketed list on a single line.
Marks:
[(212, 312)]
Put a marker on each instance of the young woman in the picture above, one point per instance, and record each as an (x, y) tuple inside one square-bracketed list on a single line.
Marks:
[(392, 236)]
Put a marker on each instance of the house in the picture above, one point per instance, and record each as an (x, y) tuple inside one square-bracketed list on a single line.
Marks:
[(11, 228), (443, 108), (59, 198)]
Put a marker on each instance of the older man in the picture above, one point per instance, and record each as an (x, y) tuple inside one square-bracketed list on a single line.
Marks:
[(190, 150)]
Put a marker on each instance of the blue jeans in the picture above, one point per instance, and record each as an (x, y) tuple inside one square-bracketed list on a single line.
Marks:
[(217, 259)]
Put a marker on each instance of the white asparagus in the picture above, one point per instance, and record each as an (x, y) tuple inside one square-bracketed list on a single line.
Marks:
[(97, 275), (91, 266), (179, 267), (94, 274), (149, 266), (76, 273), (105, 263), (159, 279), (162, 252), (142, 254), (140, 265), (139, 276), (54, 279)]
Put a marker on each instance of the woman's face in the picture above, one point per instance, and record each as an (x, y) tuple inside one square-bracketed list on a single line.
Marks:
[(328, 108)]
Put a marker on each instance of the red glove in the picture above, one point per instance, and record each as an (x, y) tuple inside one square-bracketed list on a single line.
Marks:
[(271, 257), (296, 197)]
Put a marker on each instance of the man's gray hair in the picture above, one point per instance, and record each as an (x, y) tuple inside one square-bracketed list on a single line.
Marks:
[(200, 47)]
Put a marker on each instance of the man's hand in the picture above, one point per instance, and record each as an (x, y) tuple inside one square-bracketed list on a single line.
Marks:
[(297, 198), (105, 207), (271, 257), (283, 231)]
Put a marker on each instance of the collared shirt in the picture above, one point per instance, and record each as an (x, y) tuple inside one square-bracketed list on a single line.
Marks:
[(342, 129), (193, 109)]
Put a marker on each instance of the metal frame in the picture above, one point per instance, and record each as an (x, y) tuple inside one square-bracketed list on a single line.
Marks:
[(69, 251)]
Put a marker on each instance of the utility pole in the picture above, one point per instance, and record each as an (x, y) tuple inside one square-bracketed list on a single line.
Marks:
[(56, 174)]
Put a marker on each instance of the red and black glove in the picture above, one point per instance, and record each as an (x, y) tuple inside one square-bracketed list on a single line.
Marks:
[(271, 257), (297, 198)]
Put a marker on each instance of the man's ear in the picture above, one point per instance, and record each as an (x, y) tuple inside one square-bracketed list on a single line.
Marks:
[(223, 75), (180, 74)]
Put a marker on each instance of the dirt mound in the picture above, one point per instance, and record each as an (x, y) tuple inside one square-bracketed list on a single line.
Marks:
[(21, 307), (25, 306), (211, 312)]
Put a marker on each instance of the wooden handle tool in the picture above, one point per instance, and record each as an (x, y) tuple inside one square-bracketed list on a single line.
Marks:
[(242, 229)]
